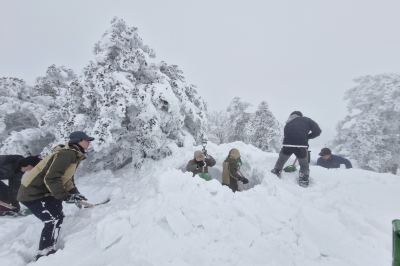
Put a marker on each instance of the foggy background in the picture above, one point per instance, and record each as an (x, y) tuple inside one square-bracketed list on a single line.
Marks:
[(296, 55)]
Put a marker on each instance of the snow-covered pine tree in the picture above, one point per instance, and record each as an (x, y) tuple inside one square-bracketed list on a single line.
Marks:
[(19, 116), (53, 90), (263, 130), (133, 107), (238, 118), (219, 126), (235, 124), (371, 133), (192, 106)]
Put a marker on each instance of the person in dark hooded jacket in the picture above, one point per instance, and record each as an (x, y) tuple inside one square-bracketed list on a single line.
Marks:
[(12, 168), (298, 130)]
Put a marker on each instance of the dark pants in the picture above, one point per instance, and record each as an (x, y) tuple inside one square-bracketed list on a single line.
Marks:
[(233, 184), (8, 194), (301, 154), (49, 211)]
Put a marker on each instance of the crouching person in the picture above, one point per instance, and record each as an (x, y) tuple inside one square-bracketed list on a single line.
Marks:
[(201, 161), (49, 183), (230, 171), (12, 168)]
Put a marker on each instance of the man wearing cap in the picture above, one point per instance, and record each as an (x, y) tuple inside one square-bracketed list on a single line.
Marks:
[(49, 183), (199, 161), (298, 130), (12, 168), (329, 160)]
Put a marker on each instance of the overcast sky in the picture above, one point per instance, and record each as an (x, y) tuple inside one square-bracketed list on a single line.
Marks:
[(296, 55)]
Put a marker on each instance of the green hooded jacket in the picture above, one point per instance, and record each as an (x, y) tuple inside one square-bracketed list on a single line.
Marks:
[(230, 168), (53, 176)]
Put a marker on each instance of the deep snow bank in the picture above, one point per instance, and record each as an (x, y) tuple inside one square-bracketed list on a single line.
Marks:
[(162, 216)]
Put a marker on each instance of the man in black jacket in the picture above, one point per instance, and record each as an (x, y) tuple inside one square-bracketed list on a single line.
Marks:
[(12, 168), (298, 130)]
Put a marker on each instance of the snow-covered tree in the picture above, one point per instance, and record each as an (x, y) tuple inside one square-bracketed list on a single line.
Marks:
[(19, 116), (219, 126), (260, 128), (371, 133), (56, 80), (53, 91), (239, 118), (263, 130), (132, 106)]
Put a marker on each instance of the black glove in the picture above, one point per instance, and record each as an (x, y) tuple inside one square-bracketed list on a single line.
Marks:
[(244, 180), (205, 152), (201, 164), (74, 198)]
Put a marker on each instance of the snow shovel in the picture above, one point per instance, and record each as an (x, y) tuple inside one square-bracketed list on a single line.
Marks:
[(291, 168), (205, 176), (84, 204)]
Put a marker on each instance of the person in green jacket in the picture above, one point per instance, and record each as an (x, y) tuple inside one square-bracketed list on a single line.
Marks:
[(231, 170), (49, 183)]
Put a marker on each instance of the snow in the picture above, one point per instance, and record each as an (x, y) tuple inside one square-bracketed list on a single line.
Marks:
[(163, 216)]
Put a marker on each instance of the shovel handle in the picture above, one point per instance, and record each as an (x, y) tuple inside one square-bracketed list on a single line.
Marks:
[(7, 205), (86, 204), (295, 161)]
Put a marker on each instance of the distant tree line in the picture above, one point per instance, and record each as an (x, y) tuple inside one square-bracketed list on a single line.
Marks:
[(260, 128)]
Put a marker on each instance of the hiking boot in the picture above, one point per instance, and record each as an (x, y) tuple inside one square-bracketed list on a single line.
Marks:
[(276, 172), (45, 252), (8, 213), (303, 180)]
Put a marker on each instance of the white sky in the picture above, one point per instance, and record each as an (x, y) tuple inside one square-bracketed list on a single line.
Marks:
[(296, 55)]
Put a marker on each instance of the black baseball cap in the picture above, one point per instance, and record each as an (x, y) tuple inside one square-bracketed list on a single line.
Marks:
[(325, 151), (78, 136), (297, 113)]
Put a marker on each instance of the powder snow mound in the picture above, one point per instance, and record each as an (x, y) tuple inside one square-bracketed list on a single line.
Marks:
[(163, 216)]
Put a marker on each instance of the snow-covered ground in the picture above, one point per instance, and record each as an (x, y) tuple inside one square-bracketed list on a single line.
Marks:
[(162, 216)]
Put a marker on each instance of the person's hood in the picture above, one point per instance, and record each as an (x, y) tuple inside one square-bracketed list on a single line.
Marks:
[(198, 156), (234, 154), (292, 117), (75, 147)]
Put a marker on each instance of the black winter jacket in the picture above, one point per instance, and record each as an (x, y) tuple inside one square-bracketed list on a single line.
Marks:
[(9, 171), (8, 167), (297, 131)]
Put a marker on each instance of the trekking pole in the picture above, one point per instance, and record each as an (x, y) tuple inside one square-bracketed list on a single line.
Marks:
[(240, 172), (204, 144)]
